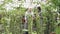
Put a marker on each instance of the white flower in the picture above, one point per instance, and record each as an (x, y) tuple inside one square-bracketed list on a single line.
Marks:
[(14, 0), (11, 6), (26, 5), (8, 7), (15, 5), (1, 1), (28, 1)]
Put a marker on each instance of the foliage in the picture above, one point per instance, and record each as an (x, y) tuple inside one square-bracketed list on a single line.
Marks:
[(12, 20)]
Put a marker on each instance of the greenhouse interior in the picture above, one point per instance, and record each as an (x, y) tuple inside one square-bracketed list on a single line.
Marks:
[(29, 16)]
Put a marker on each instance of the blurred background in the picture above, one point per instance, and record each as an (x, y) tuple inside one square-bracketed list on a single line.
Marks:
[(29, 16)]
